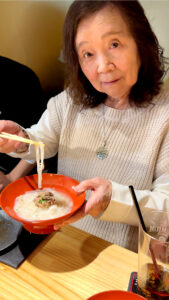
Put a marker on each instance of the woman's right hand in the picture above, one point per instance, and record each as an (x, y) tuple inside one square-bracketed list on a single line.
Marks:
[(7, 146)]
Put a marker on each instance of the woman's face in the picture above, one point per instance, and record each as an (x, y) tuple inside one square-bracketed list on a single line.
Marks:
[(107, 53)]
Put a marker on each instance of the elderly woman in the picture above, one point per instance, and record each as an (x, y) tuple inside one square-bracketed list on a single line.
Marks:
[(110, 125)]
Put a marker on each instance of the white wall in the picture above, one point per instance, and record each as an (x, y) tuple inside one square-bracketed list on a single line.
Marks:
[(157, 13), (30, 32)]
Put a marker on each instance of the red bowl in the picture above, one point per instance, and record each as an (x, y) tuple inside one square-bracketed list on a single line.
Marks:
[(60, 183), (116, 295)]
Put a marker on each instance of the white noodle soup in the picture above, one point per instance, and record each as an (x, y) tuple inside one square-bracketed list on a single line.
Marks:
[(26, 208)]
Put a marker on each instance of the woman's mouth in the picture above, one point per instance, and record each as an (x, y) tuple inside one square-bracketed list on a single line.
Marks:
[(110, 82)]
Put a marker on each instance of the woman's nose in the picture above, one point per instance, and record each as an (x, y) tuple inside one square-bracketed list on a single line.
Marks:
[(104, 64)]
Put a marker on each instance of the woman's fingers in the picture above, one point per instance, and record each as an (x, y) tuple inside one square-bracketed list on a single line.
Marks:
[(7, 145), (101, 190), (9, 126), (77, 216), (84, 186), (92, 184), (56, 227)]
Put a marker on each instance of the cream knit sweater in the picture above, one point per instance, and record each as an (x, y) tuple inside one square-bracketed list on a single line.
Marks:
[(138, 144)]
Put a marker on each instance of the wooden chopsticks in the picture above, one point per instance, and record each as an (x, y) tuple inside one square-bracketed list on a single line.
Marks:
[(14, 137)]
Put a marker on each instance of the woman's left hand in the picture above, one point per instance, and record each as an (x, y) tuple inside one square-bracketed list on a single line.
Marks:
[(101, 191)]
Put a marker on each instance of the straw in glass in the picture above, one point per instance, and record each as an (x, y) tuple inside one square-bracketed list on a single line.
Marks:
[(144, 227)]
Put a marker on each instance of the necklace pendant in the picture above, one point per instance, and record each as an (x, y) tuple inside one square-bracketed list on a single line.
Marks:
[(102, 153)]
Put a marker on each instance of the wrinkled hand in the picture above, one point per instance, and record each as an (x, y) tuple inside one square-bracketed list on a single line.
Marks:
[(101, 191), (7, 146), (4, 180)]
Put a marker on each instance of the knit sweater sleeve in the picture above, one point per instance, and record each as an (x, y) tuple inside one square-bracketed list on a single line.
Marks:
[(121, 208), (48, 128)]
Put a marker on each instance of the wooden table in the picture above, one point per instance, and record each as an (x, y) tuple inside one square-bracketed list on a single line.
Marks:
[(69, 264)]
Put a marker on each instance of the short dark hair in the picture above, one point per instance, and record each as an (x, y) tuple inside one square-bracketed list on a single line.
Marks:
[(153, 62)]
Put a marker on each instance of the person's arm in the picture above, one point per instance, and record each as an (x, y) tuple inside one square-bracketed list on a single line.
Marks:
[(110, 201), (21, 169), (121, 207), (47, 130), (115, 203)]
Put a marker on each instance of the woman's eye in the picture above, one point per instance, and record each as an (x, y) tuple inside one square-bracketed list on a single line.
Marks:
[(87, 55), (114, 45)]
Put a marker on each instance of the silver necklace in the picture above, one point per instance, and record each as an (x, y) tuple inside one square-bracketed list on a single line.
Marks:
[(102, 152)]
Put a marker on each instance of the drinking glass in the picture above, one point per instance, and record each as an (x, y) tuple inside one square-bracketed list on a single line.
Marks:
[(153, 257)]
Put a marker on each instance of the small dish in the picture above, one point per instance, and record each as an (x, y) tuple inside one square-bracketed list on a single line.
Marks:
[(10, 229), (116, 295), (57, 182)]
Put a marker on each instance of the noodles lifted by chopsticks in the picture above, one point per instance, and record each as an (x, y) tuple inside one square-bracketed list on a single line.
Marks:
[(40, 162), (39, 152)]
